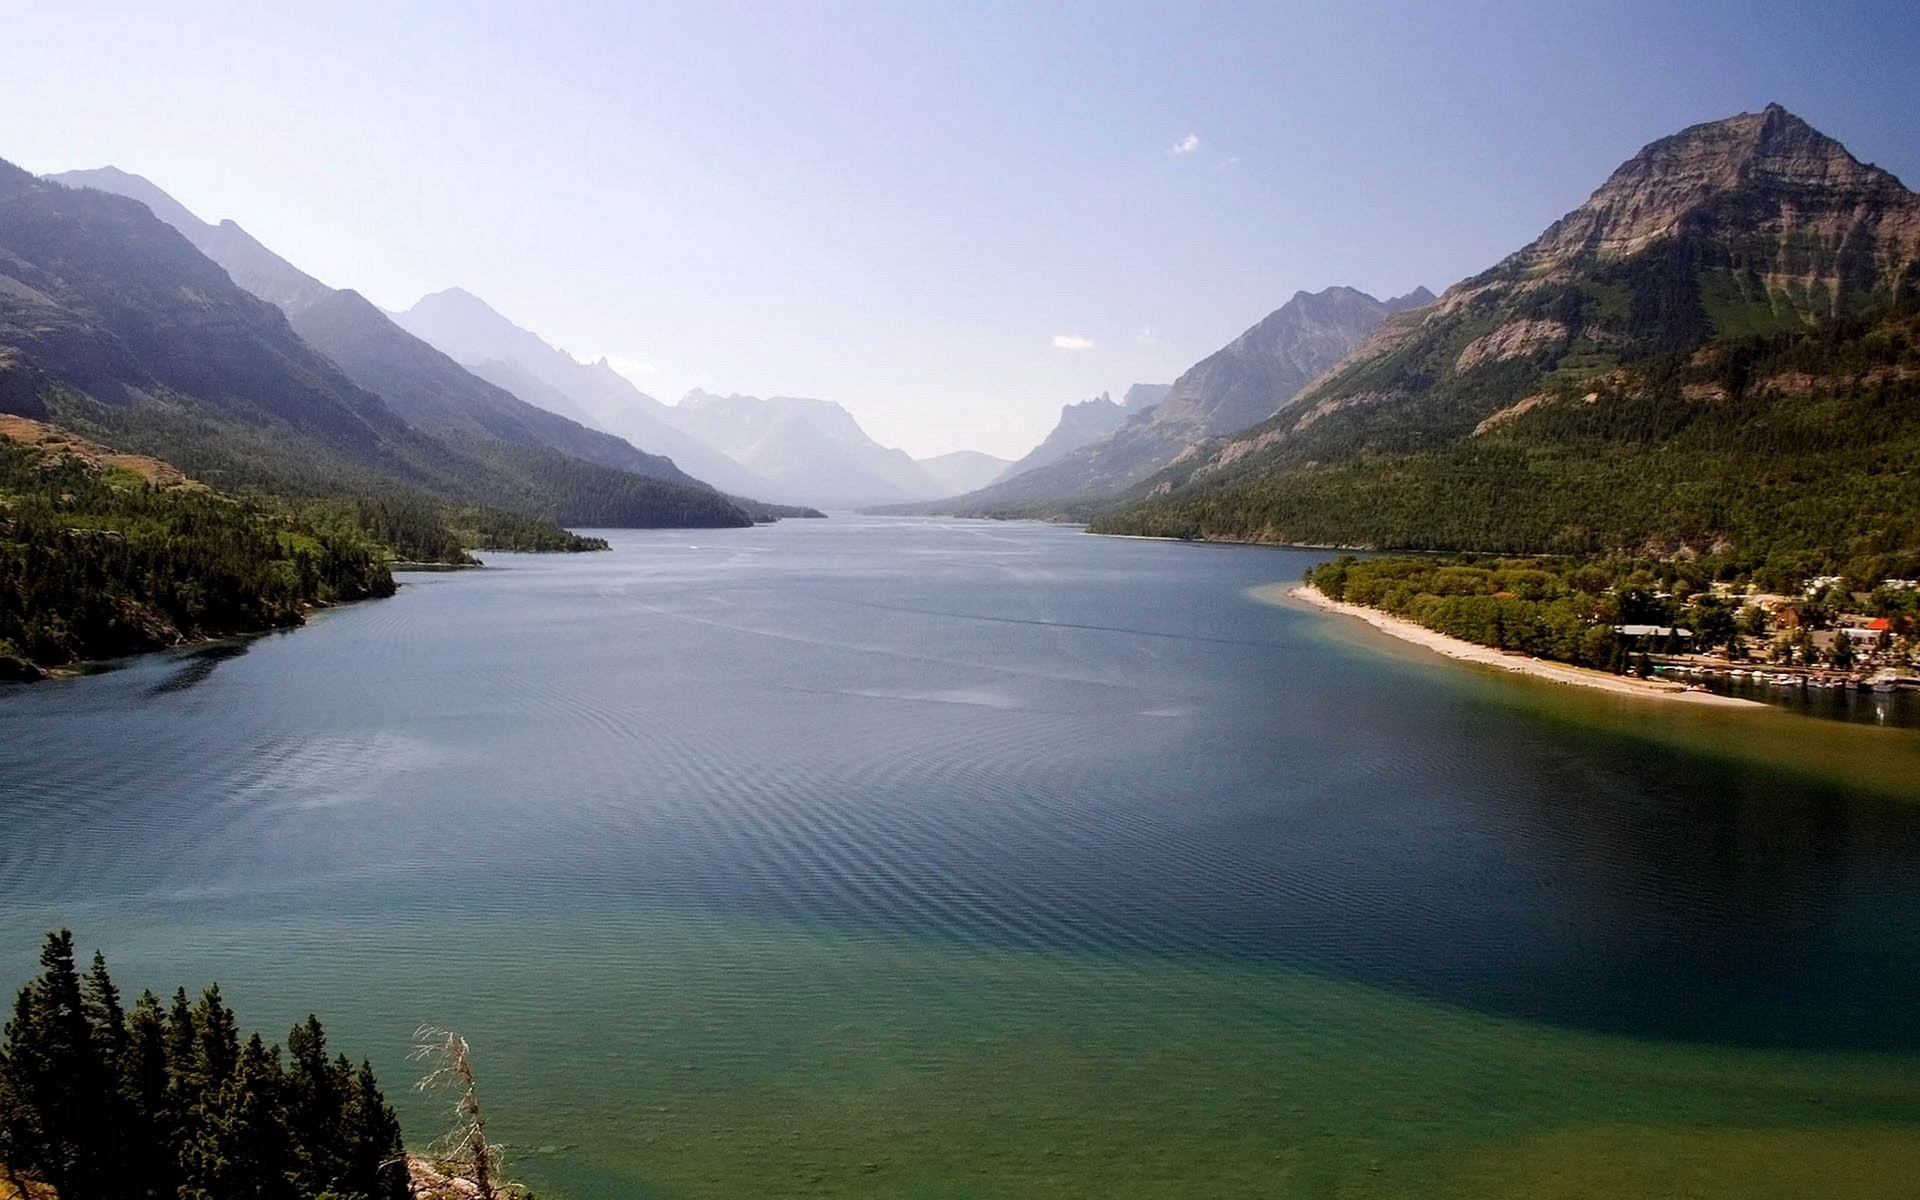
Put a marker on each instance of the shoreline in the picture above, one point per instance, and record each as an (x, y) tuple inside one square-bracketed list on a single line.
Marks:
[(1507, 660)]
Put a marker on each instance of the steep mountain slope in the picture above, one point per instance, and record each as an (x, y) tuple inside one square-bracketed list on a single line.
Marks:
[(1243, 382), (424, 386), (1680, 350), (962, 470), (1082, 424), (113, 323), (811, 451), (467, 329)]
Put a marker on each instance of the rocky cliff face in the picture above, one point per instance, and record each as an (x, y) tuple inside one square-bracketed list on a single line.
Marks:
[(1761, 178)]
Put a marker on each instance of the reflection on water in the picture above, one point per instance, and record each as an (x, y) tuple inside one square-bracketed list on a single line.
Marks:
[(1900, 708), (192, 667)]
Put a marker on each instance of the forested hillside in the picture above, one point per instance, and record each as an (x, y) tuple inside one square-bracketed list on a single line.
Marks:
[(100, 557), (1800, 447)]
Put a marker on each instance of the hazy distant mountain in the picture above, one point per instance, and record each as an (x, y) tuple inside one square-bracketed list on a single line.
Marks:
[(809, 451), (426, 387), (1715, 351), (467, 328), (114, 324), (1246, 381), (962, 470), (1083, 424)]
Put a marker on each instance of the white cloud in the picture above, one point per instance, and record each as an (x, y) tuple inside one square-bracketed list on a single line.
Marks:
[(1071, 341), (1186, 145), (1144, 335)]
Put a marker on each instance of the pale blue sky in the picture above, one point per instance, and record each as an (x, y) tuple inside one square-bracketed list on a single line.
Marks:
[(901, 206)]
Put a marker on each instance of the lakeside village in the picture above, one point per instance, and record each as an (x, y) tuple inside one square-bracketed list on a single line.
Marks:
[(1825, 638), (1676, 619)]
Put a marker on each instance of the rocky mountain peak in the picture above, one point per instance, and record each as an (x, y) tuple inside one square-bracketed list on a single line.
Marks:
[(1770, 158)]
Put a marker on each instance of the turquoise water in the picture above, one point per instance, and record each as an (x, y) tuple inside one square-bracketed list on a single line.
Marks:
[(913, 858)]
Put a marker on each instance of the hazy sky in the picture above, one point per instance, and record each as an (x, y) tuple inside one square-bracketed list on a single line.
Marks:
[(950, 218)]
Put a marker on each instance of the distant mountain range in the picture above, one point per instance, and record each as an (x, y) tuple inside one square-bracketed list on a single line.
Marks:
[(1248, 379), (796, 450), (1084, 423), (454, 365), (468, 330), (425, 387), (114, 324), (1717, 353), (803, 447), (962, 470)]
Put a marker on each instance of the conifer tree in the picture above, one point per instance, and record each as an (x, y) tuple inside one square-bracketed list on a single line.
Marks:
[(315, 1099), (376, 1157), (59, 1125), (146, 1084), (99, 1103)]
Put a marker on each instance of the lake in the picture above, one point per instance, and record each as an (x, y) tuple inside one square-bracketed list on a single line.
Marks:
[(945, 859)]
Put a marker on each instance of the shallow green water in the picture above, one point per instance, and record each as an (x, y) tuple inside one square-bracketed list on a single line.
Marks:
[(894, 858)]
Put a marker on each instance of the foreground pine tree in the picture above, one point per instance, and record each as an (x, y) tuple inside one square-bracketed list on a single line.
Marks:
[(99, 1103)]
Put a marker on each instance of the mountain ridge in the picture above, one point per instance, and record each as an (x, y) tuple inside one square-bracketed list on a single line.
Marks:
[(427, 388), (803, 447), (1248, 378), (1611, 358), (472, 332), (114, 324)]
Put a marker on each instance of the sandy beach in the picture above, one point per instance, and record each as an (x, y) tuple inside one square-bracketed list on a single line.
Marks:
[(1440, 643)]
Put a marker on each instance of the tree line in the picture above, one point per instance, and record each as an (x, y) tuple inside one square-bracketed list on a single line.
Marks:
[(102, 1102), (1566, 609)]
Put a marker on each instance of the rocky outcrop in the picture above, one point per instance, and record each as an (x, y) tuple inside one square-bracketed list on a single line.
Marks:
[(1511, 340), (1764, 174)]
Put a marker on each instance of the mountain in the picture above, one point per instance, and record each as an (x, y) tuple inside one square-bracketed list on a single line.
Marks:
[(113, 324), (468, 330), (1083, 424), (428, 389), (811, 451), (1712, 354), (1244, 382), (962, 470)]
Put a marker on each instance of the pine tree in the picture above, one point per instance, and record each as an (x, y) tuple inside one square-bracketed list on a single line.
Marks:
[(241, 1150), (107, 1029), (59, 1124), (104, 1104), (146, 1084), (376, 1158), (316, 1096)]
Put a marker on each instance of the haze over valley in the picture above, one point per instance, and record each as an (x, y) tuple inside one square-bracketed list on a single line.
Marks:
[(718, 601)]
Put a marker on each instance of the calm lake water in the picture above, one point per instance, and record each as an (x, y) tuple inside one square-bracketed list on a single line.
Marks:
[(889, 857)]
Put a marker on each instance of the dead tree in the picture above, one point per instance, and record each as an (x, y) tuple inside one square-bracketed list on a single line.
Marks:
[(464, 1150)]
